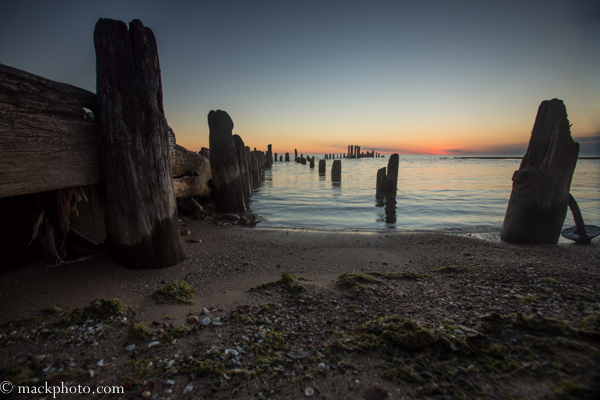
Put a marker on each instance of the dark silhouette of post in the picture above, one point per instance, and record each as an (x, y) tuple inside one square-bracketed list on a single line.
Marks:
[(141, 220), (336, 171), (227, 180), (538, 203), (312, 162), (322, 166), (388, 182), (243, 164), (287, 156)]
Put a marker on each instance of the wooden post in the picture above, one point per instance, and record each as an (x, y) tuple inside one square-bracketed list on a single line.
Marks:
[(322, 166), (275, 157), (538, 203), (388, 182), (270, 156), (287, 156), (227, 180), (296, 155), (141, 211), (336, 171), (312, 162), (243, 164)]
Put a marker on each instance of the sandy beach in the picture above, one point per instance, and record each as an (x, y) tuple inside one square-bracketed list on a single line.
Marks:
[(532, 310)]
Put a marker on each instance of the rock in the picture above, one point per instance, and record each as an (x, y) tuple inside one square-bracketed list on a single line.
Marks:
[(184, 232), (193, 320), (205, 311), (231, 217), (232, 352), (131, 347), (308, 392), (153, 343), (194, 241), (206, 321), (188, 389), (247, 219), (169, 382)]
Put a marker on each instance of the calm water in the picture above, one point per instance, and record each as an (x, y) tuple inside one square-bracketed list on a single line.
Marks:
[(434, 192)]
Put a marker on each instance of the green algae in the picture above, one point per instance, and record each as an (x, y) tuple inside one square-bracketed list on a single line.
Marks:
[(174, 293), (53, 311), (288, 282), (452, 268), (98, 310), (140, 331), (177, 333), (348, 280), (547, 281), (407, 275)]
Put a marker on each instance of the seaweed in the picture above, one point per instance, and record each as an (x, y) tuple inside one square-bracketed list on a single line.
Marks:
[(289, 282), (407, 275), (173, 293)]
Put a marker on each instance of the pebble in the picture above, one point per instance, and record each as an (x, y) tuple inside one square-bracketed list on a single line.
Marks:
[(322, 366), (169, 382), (153, 343), (131, 347), (188, 389), (193, 320), (100, 363), (205, 310), (206, 321), (232, 352), (308, 392), (194, 241)]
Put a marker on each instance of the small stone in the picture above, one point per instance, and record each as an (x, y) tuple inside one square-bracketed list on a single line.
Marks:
[(153, 343), (184, 232), (231, 217), (308, 392), (193, 320), (91, 373), (232, 352), (169, 382), (322, 366), (131, 347), (206, 321), (100, 363), (188, 389), (194, 241), (205, 311), (40, 357), (170, 363)]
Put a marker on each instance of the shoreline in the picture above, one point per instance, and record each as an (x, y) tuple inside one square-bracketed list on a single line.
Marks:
[(451, 282)]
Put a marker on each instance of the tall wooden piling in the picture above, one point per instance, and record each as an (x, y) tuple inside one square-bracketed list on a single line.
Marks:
[(538, 203), (141, 211), (312, 162), (336, 171), (287, 156), (243, 164)]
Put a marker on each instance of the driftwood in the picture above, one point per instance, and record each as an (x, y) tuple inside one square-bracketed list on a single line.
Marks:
[(191, 173), (47, 141), (227, 180), (388, 182), (336, 171), (538, 203), (141, 215)]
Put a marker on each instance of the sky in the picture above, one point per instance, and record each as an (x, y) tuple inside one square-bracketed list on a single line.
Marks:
[(411, 77)]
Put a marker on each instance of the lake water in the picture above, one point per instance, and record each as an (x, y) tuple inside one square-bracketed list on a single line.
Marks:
[(434, 192)]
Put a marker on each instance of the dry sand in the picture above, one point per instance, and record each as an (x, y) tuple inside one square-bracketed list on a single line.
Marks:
[(493, 278)]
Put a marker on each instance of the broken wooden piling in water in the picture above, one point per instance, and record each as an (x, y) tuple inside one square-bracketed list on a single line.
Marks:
[(540, 195), (336, 171), (387, 179)]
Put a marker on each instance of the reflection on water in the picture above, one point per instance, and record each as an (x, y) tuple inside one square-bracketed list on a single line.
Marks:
[(388, 203), (433, 193)]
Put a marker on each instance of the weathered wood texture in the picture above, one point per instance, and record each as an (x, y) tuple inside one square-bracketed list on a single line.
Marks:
[(336, 171), (243, 164), (46, 140), (141, 213), (227, 180), (191, 173), (312, 162), (538, 203)]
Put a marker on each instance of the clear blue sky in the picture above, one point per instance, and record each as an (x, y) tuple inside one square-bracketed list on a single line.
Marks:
[(454, 77)]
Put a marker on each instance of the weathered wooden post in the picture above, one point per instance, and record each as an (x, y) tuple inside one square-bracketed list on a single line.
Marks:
[(275, 157), (538, 203), (280, 158), (336, 171), (322, 166), (141, 211), (243, 164), (287, 156), (312, 162), (227, 180), (388, 182), (296, 155), (269, 156)]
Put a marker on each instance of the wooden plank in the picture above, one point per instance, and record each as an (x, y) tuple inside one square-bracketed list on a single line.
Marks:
[(46, 141)]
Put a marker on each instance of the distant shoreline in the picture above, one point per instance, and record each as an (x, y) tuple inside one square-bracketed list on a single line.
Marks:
[(513, 158)]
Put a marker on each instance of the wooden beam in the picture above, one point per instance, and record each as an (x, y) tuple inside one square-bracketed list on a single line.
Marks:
[(46, 140)]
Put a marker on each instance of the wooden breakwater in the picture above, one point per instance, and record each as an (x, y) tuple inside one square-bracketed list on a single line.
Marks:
[(56, 180)]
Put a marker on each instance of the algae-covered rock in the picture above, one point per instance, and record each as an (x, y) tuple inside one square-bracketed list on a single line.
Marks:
[(397, 275), (289, 282), (347, 280), (173, 293), (100, 310)]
